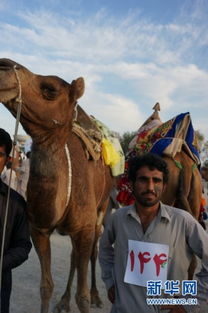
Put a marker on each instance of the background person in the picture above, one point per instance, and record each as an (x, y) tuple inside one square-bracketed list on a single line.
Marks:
[(12, 164), (151, 222), (23, 175), (5, 176), (17, 243)]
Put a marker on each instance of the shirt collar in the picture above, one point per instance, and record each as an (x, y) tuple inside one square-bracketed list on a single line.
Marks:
[(162, 214), (131, 210)]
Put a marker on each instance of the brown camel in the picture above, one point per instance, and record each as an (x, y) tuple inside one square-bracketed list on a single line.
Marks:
[(184, 188), (67, 190)]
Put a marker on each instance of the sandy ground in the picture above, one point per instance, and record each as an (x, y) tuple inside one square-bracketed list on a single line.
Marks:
[(26, 279)]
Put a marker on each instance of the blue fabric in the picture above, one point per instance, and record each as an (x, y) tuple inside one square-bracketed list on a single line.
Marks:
[(161, 144)]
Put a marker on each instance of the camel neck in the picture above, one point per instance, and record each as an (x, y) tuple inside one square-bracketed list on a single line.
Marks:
[(45, 160)]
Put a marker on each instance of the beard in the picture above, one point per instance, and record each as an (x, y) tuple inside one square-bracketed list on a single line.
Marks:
[(146, 201)]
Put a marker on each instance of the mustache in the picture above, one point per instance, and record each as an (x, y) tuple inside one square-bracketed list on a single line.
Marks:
[(148, 192)]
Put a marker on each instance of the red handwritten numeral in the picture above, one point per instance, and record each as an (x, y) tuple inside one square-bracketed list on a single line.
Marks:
[(159, 261), (143, 260), (132, 260)]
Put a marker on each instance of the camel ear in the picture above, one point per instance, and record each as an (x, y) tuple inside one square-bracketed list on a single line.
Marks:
[(78, 87)]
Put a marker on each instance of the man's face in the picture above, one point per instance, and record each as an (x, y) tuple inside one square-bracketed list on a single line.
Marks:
[(148, 187), (3, 158)]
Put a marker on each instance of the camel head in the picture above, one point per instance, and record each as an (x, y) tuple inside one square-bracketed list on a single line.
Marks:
[(48, 102)]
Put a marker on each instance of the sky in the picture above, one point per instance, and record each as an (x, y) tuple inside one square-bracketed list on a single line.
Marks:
[(131, 54)]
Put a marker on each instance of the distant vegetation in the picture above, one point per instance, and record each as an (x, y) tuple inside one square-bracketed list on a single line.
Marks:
[(125, 140)]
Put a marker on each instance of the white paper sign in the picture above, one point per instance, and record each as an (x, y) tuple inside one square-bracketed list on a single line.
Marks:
[(146, 261)]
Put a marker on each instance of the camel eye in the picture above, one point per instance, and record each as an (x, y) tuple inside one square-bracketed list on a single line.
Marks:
[(49, 92)]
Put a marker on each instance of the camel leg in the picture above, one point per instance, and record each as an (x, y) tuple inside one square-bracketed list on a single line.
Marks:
[(83, 244), (63, 304), (95, 299), (42, 246)]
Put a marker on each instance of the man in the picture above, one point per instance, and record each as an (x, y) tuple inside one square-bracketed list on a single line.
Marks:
[(168, 237), (17, 243), (23, 177)]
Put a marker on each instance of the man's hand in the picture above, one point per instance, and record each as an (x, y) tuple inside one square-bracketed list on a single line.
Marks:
[(111, 294), (173, 308)]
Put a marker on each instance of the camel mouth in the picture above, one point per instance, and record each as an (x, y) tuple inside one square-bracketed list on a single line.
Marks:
[(7, 89), (8, 93)]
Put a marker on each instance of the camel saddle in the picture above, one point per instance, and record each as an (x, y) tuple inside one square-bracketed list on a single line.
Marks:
[(168, 138), (86, 129), (160, 138)]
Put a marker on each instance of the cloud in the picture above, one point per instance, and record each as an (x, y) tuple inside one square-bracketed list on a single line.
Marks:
[(118, 113), (101, 37), (95, 38), (164, 84), (129, 63)]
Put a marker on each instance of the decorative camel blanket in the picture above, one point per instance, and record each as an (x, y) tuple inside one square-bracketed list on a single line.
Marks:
[(166, 138)]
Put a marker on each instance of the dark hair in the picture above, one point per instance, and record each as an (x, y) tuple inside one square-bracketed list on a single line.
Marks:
[(152, 161), (5, 140), (28, 154), (9, 165)]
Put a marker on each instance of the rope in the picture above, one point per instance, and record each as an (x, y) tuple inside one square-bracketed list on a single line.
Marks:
[(19, 101), (69, 174)]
